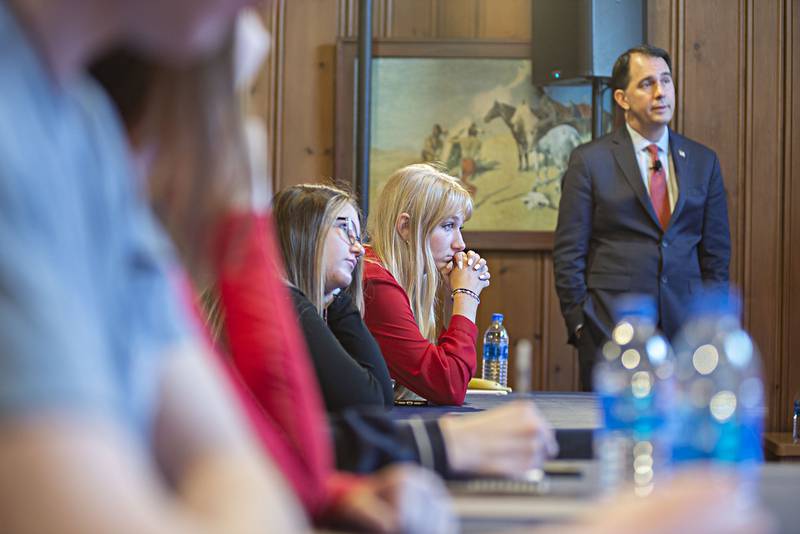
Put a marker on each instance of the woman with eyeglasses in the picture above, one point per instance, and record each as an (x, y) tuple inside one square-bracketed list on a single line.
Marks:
[(320, 237), (415, 248)]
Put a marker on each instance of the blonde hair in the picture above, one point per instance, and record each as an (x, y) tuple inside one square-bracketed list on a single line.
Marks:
[(428, 196), (304, 214)]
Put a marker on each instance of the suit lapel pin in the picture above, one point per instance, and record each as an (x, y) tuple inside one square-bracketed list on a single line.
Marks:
[(681, 153)]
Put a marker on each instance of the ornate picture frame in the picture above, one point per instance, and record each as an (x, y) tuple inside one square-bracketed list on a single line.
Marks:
[(470, 106)]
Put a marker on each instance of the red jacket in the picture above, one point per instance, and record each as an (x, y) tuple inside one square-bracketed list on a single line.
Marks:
[(272, 365), (439, 372)]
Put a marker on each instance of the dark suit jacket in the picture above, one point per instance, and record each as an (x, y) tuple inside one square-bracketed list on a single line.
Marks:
[(608, 240)]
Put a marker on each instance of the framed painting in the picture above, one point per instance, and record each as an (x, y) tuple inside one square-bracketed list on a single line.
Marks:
[(470, 107)]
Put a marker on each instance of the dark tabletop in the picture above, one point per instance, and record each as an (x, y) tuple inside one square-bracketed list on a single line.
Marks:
[(574, 416)]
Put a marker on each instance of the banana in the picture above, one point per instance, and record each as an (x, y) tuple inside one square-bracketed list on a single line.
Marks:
[(480, 383)]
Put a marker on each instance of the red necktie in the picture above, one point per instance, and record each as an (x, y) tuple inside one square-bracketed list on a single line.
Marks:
[(658, 188)]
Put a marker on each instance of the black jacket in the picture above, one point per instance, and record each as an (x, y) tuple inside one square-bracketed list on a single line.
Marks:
[(347, 360)]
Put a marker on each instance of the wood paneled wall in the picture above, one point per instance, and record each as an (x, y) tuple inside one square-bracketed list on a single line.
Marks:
[(736, 64), (790, 319), (736, 68)]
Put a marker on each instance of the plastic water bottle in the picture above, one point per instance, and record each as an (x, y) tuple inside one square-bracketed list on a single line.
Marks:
[(495, 351), (634, 380), (720, 397)]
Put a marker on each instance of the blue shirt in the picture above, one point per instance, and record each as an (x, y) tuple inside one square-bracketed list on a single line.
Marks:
[(86, 310)]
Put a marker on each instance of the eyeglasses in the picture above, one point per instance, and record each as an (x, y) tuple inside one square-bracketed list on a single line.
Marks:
[(348, 226)]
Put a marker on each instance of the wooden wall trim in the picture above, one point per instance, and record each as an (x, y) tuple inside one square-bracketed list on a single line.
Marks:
[(679, 54), (341, 20), (265, 99), (780, 213), (530, 241), (792, 380), (790, 276), (348, 22), (278, 30), (544, 326), (738, 222), (389, 18), (765, 180), (777, 409), (782, 364), (747, 167)]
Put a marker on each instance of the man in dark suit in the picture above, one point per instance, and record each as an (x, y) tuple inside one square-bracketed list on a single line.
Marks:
[(642, 210)]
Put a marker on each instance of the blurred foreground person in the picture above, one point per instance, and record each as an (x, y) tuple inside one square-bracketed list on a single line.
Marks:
[(113, 417), (694, 501), (185, 129)]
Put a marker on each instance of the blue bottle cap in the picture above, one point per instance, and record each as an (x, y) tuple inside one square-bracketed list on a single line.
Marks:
[(635, 305), (497, 317), (716, 300)]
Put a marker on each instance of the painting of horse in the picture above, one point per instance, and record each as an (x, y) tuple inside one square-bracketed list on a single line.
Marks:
[(521, 123), (482, 120)]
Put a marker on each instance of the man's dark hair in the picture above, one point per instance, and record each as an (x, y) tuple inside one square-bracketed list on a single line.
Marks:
[(621, 75)]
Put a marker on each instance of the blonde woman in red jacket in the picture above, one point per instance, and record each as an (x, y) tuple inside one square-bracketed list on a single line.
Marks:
[(416, 248)]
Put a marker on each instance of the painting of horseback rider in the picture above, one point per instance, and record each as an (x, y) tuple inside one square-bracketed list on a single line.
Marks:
[(470, 150), (434, 144), (484, 122), (521, 122)]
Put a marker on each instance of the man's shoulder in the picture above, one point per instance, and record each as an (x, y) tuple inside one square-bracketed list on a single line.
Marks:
[(596, 147), (603, 141), (681, 142)]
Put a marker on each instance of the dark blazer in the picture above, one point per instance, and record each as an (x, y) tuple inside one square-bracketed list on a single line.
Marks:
[(608, 240)]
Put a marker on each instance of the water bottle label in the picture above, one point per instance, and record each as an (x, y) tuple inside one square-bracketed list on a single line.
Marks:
[(495, 361), (495, 351)]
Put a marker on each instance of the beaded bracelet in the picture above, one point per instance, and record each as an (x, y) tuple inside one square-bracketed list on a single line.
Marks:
[(466, 291)]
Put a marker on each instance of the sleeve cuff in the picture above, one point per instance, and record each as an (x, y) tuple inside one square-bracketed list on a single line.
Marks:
[(459, 322), (574, 319), (429, 443)]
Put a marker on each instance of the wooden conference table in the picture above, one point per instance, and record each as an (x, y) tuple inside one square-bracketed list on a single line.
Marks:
[(571, 487)]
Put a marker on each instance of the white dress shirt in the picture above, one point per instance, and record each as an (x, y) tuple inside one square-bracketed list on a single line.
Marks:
[(640, 145)]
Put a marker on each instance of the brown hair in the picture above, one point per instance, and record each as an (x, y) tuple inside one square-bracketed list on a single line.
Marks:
[(621, 74), (192, 119), (304, 214)]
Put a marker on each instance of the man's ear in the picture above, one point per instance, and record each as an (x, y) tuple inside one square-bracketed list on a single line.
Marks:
[(403, 226), (621, 99)]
